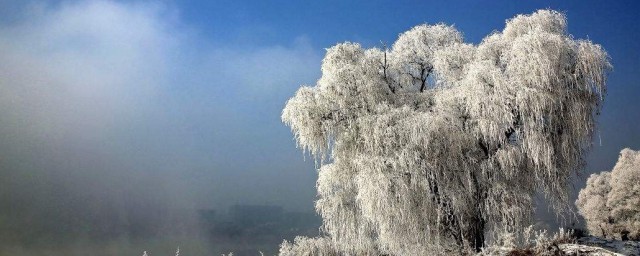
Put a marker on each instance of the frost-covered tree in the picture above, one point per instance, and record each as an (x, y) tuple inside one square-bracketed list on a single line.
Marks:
[(592, 204), (610, 203), (432, 144)]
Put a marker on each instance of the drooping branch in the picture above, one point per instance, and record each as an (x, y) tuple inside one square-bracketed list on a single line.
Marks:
[(432, 173)]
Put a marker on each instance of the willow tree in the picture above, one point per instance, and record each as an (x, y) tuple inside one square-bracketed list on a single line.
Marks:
[(433, 144)]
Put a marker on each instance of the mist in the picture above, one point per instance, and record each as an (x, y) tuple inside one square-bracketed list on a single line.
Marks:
[(119, 122)]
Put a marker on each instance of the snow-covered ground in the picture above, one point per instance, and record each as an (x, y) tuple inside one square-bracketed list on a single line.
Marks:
[(600, 246), (585, 246)]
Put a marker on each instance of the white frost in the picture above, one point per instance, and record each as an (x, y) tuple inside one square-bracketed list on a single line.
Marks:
[(611, 201), (428, 146)]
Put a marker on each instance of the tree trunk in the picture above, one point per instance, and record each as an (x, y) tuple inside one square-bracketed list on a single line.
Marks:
[(477, 232), (478, 235)]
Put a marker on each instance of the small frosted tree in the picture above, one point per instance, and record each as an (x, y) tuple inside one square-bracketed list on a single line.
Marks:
[(610, 203), (592, 204), (432, 144)]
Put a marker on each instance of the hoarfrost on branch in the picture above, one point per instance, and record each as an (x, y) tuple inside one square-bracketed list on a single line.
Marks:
[(610, 203), (433, 143)]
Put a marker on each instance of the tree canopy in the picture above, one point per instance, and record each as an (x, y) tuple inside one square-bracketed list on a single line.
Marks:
[(428, 145), (610, 203)]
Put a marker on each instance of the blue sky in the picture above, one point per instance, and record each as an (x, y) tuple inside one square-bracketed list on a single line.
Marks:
[(185, 96)]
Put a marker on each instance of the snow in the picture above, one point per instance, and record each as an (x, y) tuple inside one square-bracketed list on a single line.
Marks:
[(630, 248)]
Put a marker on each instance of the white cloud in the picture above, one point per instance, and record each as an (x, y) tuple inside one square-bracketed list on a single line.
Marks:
[(131, 85), (92, 65), (83, 67), (267, 71)]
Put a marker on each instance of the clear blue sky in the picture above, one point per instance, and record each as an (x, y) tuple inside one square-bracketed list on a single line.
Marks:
[(188, 93)]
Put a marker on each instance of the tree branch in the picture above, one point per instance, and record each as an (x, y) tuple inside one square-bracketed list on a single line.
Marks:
[(424, 77)]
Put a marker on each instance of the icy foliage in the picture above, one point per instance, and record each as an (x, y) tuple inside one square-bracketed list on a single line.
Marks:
[(304, 246), (429, 145), (531, 242), (592, 204), (611, 201)]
